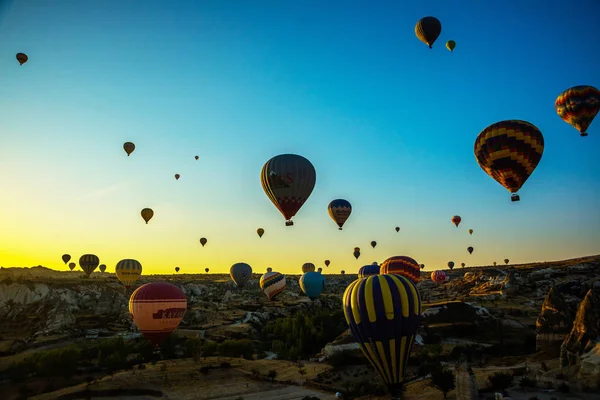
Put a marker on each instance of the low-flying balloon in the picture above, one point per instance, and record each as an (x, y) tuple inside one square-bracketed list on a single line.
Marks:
[(147, 214), (428, 29), (450, 45), (269, 269), (438, 277), (272, 284), (373, 244), (206, 270), (339, 210), (422, 266), (240, 273), (128, 147), (450, 265), (343, 272), (177, 269), (128, 271), (506, 261), (508, 151), (356, 252), (88, 263), (72, 266), (494, 263), (320, 270), (157, 308), (308, 267), (288, 180), (260, 232), (22, 58), (203, 241), (402, 265), (456, 220), (368, 270), (66, 258), (462, 265), (383, 313), (578, 106), (102, 267), (312, 284)]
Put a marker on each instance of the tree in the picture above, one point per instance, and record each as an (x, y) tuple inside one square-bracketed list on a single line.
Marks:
[(443, 380), (272, 374), (501, 380)]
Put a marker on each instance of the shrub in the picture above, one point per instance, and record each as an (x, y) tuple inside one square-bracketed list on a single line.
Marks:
[(563, 388), (501, 380), (346, 357), (225, 365), (236, 348), (527, 383)]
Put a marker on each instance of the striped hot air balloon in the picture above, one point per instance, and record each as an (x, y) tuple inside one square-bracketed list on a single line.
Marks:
[(509, 151), (368, 270), (308, 267), (339, 210), (402, 265), (578, 106), (438, 277), (288, 180), (272, 283), (383, 314), (128, 271), (88, 263), (157, 308)]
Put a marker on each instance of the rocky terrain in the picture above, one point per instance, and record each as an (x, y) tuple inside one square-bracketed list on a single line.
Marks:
[(538, 321)]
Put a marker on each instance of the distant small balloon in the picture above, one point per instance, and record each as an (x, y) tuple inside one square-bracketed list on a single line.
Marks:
[(356, 252), (129, 148), (206, 270), (470, 231), (196, 157), (456, 220), (397, 229), (177, 176), (327, 262), (177, 269), (203, 241), (66, 258), (506, 261), (102, 267), (343, 272), (450, 265), (470, 249), (72, 266), (462, 265), (450, 45), (147, 214), (269, 269), (22, 58), (260, 232), (373, 244)]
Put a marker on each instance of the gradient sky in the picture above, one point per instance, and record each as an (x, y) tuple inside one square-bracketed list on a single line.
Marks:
[(388, 124)]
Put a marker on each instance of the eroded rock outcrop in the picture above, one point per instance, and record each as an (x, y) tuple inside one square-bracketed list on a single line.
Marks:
[(554, 322), (585, 332)]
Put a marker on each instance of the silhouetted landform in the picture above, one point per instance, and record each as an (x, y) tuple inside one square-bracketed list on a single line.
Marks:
[(522, 330)]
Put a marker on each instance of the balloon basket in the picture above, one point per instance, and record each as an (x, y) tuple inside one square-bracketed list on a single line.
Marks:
[(583, 134), (515, 197), (289, 223)]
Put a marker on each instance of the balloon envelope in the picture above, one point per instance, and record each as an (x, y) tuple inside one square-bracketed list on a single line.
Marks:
[(66, 258), (578, 106), (428, 29), (240, 273), (368, 270), (72, 266), (129, 148), (339, 210), (147, 214), (203, 241), (102, 267), (128, 271), (308, 267), (402, 265), (312, 284), (157, 308), (383, 314), (88, 263), (272, 283), (260, 232)]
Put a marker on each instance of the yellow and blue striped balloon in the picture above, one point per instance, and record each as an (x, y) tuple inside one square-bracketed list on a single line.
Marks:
[(88, 263), (128, 271), (383, 313)]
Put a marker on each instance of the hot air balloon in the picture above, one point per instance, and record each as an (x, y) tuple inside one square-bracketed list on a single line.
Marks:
[(339, 210), (422, 266), (374, 263), (22, 58), (397, 229), (88, 263), (177, 176), (494, 263), (470, 231), (456, 220), (402, 265), (206, 270), (368, 270), (506, 260), (102, 267), (288, 180), (578, 106), (462, 265), (272, 284), (373, 244), (383, 314), (196, 157), (343, 272), (240, 273), (438, 277), (450, 265), (450, 45), (203, 241), (327, 262), (470, 249), (72, 266), (147, 214), (356, 252), (176, 269), (128, 271), (320, 270), (128, 147), (509, 151), (428, 29), (66, 258), (308, 267), (260, 232), (312, 284), (269, 269), (157, 308)]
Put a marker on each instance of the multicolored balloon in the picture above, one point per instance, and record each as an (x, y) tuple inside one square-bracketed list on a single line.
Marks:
[(128, 271), (509, 151), (66, 258), (438, 277), (260, 232), (240, 273), (339, 210), (383, 313), (88, 263), (308, 267), (368, 270), (402, 265), (578, 106), (456, 220), (428, 29), (147, 214), (288, 180), (272, 284), (157, 308), (129, 148), (312, 284)]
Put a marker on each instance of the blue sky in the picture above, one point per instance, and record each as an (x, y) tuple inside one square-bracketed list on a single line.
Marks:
[(388, 123)]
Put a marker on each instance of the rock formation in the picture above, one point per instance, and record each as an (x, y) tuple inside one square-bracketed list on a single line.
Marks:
[(465, 383), (586, 330)]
